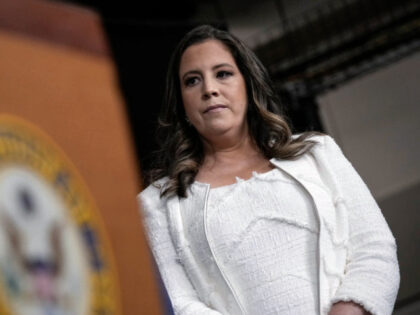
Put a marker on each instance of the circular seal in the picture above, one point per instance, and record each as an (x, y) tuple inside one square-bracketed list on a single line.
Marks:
[(55, 256)]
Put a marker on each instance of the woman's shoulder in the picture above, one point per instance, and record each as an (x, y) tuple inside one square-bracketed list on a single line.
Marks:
[(152, 193), (321, 141), (324, 147), (316, 137)]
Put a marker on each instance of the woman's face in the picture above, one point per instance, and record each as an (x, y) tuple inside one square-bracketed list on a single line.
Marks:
[(213, 89)]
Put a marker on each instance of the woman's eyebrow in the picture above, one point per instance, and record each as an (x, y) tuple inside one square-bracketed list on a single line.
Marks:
[(194, 71), (222, 65)]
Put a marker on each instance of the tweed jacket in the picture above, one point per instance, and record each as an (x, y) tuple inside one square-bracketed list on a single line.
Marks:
[(357, 251)]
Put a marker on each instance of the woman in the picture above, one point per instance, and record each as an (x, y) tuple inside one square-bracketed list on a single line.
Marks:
[(244, 218)]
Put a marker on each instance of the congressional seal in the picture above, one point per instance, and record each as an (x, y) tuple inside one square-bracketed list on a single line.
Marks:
[(55, 257)]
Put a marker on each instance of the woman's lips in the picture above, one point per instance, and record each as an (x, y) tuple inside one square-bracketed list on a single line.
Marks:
[(215, 108)]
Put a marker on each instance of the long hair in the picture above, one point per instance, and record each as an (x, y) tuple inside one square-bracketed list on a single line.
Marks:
[(180, 152)]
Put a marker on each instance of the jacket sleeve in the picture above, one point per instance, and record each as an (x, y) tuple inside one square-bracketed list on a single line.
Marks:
[(182, 294), (372, 273)]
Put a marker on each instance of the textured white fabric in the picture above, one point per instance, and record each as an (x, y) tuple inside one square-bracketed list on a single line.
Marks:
[(272, 216), (192, 212), (357, 251)]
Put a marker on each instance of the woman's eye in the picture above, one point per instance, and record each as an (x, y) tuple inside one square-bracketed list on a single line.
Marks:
[(224, 74), (191, 81)]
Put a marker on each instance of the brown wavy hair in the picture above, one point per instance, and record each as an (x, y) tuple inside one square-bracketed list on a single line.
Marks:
[(180, 152)]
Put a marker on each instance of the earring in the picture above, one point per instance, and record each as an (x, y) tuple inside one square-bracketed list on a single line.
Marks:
[(188, 121)]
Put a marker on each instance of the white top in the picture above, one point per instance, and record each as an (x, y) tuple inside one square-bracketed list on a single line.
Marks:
[(290, 231), (356, 249)]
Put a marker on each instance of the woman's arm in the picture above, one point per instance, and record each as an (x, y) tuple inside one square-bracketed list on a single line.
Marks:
[(372, 274), (182, 294)]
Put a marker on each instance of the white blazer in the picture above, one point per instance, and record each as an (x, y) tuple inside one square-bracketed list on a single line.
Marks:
[(357, 251)]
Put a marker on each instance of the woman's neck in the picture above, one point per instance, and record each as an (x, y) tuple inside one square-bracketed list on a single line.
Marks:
[(228, 160), (229, 150), (229, 156)]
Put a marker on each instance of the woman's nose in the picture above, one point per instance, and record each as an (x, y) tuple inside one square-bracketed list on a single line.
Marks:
[(209, 89)]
